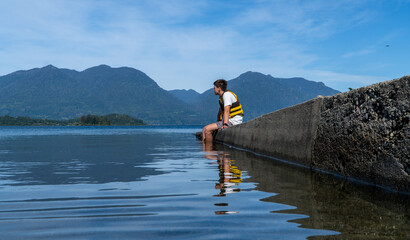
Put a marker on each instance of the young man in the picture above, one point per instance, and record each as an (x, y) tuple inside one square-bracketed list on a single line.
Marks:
[(230, 110)]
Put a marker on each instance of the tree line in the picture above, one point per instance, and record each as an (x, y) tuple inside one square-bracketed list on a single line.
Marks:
[(85, 120)]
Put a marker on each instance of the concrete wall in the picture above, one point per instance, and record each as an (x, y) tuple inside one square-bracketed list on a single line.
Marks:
[(287, 133), (362, 134), (365, 134)]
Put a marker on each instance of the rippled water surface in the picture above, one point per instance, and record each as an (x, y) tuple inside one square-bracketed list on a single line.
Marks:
[(159, 183)]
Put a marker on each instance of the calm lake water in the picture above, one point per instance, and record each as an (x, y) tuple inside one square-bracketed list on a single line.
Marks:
[(159, 183)]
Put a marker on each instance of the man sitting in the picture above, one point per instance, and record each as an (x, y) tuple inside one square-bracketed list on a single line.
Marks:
[(230, 111)]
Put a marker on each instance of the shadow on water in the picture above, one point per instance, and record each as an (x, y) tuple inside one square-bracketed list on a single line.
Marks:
[(354, 210)]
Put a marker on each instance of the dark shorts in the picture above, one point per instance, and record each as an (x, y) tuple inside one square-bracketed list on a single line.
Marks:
[(220, 124)]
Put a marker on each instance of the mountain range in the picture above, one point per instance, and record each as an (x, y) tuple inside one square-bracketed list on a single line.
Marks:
[(185, 95), (61, 94)]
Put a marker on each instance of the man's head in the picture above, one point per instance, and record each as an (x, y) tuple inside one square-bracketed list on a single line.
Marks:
[(220, 86)]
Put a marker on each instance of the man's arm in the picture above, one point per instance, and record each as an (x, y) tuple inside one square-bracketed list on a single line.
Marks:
[(226, 114)]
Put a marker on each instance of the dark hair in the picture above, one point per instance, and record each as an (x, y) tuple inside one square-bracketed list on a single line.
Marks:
[(222, 83)]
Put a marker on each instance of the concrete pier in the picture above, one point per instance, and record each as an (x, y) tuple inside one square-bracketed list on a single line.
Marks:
[(363, 134)]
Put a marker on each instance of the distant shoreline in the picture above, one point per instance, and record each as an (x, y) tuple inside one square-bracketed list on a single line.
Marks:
[(86, 120)]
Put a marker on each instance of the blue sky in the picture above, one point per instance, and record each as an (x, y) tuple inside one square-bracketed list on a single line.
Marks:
[(184, 44)]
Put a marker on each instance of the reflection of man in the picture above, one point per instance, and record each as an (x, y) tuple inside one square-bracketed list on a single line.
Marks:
[(230, 110), (229, 174), (229, 177)]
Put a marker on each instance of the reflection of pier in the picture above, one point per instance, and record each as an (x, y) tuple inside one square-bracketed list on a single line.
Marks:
[(332, 204)]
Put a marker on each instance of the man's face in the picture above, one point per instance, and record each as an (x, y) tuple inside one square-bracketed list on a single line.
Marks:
[(216, 90)]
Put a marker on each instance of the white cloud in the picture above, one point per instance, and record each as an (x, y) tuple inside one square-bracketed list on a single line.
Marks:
[(308, 19), (358, 53), (343, 81)]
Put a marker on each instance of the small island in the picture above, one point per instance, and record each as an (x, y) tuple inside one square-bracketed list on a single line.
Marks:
[(86, 120)]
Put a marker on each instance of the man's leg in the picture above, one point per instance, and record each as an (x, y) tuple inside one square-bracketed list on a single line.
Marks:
[(207, 132)]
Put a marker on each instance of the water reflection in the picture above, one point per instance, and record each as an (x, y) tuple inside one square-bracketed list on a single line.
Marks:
[(54, 160), (158, 186), (132, 186), (356, 211), (229, 175)]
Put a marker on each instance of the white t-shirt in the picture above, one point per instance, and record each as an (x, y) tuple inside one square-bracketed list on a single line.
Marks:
[(229, 99)]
